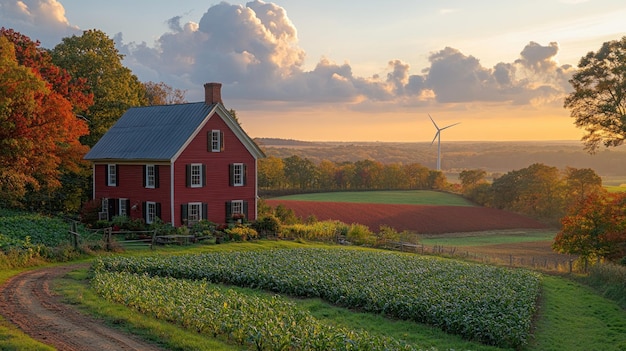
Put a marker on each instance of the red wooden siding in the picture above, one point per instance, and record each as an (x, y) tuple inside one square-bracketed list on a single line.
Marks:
[(131, 186), (217, 190)]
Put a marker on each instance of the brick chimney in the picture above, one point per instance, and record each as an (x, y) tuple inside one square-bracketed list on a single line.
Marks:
[(212, 93)]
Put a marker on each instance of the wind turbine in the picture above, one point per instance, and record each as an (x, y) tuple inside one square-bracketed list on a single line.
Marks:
[(438, 137)]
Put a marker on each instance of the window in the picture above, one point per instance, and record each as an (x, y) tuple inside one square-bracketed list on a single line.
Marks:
[(111, 175), (151, 176), (193, 212), (236, 210), (122, 207), (237, 174), (150, 212), (236, 207), (104, 213), (196, 175), (216, 141)]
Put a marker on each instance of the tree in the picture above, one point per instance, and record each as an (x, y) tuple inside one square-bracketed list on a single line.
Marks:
[(39, 132), (580, 183), (595, 228), (163, 94), (300, 172), (598, 102), (471, 178), (93, 56), (73, 172), (536, 191), (271, 173)]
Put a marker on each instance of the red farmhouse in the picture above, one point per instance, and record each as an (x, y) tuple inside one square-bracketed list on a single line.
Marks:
[(181, 163)]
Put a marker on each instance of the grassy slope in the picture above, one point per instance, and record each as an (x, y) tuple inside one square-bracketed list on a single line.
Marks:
[(571, 316), (408, 197)]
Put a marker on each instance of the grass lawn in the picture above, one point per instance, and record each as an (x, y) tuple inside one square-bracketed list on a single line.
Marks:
[(571, 316), (406, 197), (488, 238)]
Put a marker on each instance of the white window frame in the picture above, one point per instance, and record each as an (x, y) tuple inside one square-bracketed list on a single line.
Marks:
[(236, 207), (195, 178), (151, 210), (216, 142), (112, 174), (150, 176), (194, 212), (238, 174), (121, 207), (104, 213)]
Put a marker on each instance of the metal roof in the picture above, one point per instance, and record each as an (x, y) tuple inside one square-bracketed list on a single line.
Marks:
[(150, 133)]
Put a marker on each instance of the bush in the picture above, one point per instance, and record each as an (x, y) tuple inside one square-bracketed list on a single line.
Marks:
[(360, 234), (241, 233), (268, 225), (327, 231), (203, 228)]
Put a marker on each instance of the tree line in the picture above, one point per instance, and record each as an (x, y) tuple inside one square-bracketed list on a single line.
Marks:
[(54, 105), (295, 173)]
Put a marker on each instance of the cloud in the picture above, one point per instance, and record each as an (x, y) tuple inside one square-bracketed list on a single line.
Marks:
[(254, 50), (42, 20)]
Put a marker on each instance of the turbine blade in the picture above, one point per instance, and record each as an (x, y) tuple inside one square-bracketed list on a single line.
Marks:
[(452, 125), (436, 135), (432, 120)]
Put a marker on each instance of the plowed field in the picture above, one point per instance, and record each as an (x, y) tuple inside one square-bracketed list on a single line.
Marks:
[(421, 219)]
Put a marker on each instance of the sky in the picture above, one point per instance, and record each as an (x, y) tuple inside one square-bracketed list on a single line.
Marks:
[(330, 70)]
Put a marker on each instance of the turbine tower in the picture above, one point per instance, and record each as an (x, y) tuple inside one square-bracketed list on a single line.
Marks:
[(438, 137)]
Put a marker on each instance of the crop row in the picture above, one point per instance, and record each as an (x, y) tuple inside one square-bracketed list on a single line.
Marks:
[(261, 323), (493, 305), (22, 229)]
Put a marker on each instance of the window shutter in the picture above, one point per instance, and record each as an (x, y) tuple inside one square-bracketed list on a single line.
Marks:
[(229, 210), (128, 207), (145, 175), (144, 211), (188, 175), (158, 210), (231, 174), (245, 208), (156, 176), (205, 211), (106, 174), (114, 209), (245, 173), (221, 141), (117, 175), (203, 175), (209, 141), (183, 213)]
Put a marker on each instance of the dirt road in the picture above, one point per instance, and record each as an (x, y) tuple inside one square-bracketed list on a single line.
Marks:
[(27, 301)]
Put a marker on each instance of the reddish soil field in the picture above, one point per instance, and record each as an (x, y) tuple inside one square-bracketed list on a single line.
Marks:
[(414, 218)]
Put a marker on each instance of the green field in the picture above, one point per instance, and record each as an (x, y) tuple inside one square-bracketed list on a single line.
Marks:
[(402, 197), (488, 238)]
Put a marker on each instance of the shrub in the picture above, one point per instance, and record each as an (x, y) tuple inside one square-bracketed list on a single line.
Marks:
[(241, 233), (360, 234), (203, 228), (268, 225)]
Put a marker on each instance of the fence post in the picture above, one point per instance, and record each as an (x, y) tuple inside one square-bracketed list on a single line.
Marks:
[(153, 240), (108, 232)]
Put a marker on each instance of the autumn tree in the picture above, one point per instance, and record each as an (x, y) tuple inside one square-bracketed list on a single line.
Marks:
[(598, 102), (595, 228), (93, 56), (163, 94), (580, 183), (536, 191), (39, 132), (300, 172), (271, 173), (471, 178)]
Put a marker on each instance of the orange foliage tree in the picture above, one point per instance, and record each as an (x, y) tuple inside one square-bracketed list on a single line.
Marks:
[(39, 132), (596, 228)]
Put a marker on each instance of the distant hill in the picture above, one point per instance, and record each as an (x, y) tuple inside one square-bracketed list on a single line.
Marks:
[(495, 157)]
